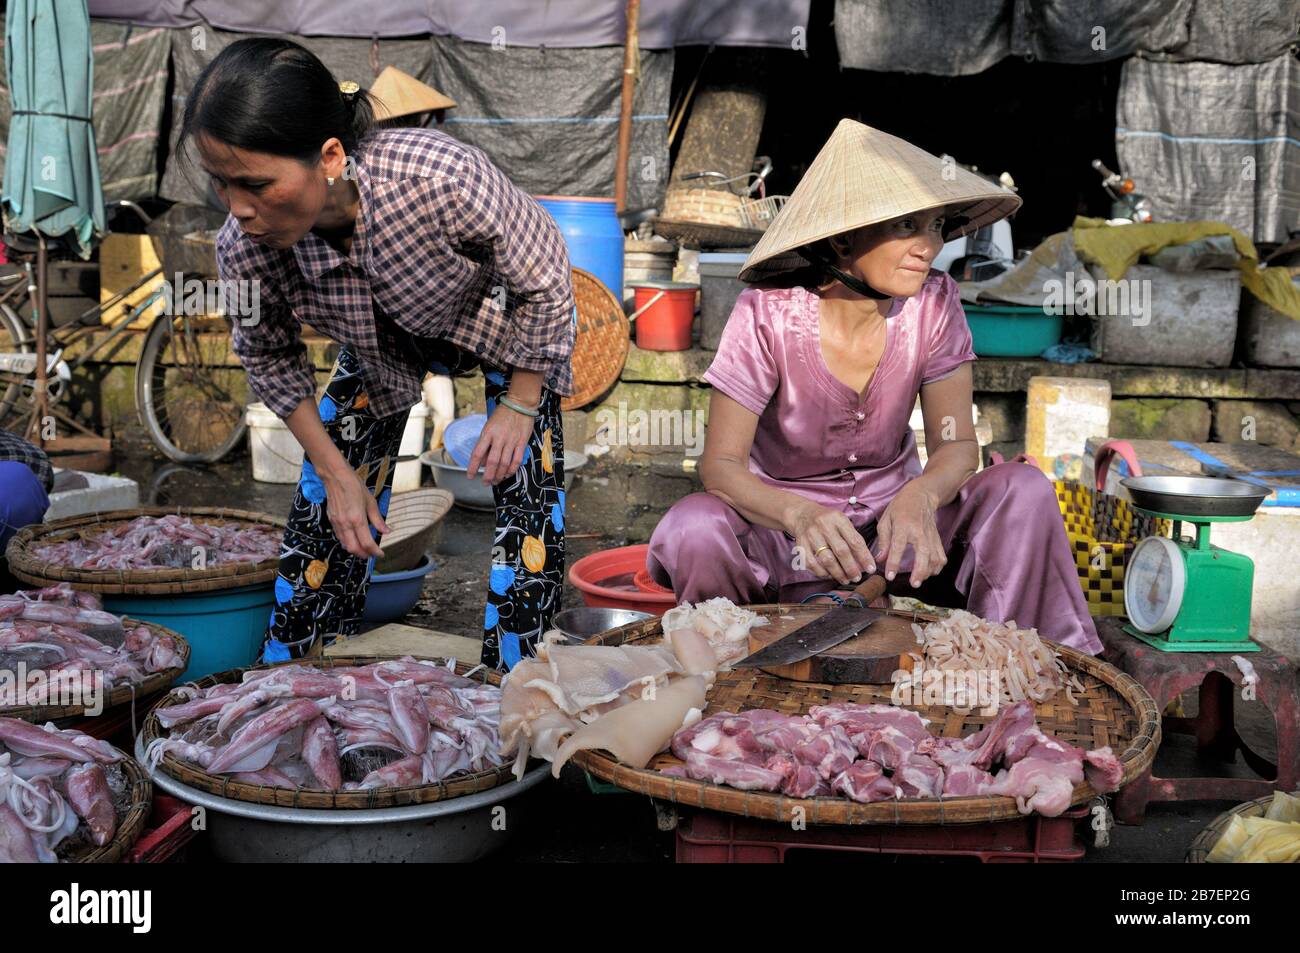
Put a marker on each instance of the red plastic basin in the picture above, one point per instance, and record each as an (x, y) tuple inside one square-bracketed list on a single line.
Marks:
[(593, 576)]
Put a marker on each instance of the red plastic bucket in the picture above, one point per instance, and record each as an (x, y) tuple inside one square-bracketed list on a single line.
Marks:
[(665, 311), (608, 579)]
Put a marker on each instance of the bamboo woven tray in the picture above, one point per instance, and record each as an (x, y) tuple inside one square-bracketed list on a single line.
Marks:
[(122, 695), (600, 349), (1113, 710), (699, 235), (128, 827), (223, 786), (137, 582), (1204, 842)]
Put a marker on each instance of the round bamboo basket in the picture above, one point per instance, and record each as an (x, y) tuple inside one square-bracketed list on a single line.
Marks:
[(129, 827), (1204, 842), (24, 564), (704, 207), (222, 786), (700, 235), (122, 694), (1113, 709), (602, 343)]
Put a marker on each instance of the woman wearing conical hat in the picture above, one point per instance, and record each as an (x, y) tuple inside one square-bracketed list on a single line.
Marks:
[(809, 451)]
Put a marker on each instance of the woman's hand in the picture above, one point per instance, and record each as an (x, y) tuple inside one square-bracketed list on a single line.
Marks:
[(352, 511), (830, 544), (909, 521), (500, 447)]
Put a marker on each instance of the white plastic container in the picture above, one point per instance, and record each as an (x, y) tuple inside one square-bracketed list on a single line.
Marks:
[(102, 493), (277, 455), (407, 475)]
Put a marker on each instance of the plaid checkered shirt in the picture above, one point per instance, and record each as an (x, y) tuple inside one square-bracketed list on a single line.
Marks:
[(15, 448), (444, 247)]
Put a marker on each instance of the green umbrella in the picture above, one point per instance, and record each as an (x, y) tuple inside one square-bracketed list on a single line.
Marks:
[(51, 180)]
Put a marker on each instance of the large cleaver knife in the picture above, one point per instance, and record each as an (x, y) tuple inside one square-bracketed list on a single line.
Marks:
[(828, 630)]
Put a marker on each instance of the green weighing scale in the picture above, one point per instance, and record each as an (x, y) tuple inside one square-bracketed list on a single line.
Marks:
[(1184, 595)]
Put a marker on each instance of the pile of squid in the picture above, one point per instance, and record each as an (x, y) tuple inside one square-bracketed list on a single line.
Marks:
[(626, 699), (164, 542), (60, 630), (394, 723), (57, 789)]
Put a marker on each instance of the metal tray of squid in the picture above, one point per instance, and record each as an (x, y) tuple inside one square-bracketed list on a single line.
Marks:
[(456, 830)]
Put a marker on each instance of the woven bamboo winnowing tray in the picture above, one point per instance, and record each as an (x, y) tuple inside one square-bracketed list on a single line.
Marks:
[(600, 350), (1113, 709), (223, 786), (122, 694), (137, 582), (1204, 842)]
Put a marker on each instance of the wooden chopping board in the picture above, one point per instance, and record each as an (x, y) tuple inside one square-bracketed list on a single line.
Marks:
[(870, 658)]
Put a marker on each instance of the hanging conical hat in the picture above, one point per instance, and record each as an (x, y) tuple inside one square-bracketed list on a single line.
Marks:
[(401, 94), (863, 176)]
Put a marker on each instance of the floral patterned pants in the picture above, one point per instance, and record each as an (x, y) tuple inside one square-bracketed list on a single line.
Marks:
[(320, 589)]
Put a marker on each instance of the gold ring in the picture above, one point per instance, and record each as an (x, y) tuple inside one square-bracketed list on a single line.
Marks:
[(819, 551)]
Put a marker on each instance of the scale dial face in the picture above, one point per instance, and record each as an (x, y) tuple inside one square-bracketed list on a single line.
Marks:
[(1154, 583)]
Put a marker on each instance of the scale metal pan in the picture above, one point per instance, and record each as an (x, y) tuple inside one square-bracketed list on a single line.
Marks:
[(1195, 496)]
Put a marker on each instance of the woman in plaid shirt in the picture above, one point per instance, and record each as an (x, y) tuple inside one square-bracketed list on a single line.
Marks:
[(416, 254)]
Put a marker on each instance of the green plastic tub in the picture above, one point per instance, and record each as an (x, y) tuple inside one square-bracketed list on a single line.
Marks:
[(1012, 330)]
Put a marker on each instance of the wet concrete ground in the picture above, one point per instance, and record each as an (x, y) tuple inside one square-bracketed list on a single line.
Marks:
[(613, 505)]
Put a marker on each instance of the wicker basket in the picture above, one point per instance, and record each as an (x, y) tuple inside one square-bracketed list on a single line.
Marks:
[(705, 207), (1113, 710), (136, 582), (600, 350), (122, 695), (222, 786), (700, 235), (1204, 842), (1103, 530), (129, 827)]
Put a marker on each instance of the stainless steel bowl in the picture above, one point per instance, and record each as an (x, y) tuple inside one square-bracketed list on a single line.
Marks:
[(583, 622), (455, 830), (1194, 496)]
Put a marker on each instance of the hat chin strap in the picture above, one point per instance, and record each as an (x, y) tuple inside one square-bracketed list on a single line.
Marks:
[(844, 278)]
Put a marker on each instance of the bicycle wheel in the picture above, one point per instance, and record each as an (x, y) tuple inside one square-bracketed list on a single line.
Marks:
[(190, 390), (13, 340)]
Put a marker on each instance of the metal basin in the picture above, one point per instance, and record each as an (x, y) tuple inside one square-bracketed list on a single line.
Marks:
[(1194, 496), (453, 831), (583, 622), (474, 494)]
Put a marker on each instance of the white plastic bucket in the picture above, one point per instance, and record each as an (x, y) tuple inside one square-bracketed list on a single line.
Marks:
[(277, 455), (407, 475)]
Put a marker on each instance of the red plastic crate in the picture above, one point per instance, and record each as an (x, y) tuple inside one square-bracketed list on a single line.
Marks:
[(712, 838), (168, 833)]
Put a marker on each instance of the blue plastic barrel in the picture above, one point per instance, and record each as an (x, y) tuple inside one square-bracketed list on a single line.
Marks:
[(224, 629), (592, 231)]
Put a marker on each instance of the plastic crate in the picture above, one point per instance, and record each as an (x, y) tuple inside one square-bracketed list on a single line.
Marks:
[(712, 838), (170, 830)]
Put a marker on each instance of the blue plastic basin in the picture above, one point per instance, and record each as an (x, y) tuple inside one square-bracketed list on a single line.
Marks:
[(224, 629), (393, 594), (1010, 330)]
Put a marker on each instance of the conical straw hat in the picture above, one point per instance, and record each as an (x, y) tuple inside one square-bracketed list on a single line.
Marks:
[(401, 94), (863, 176)]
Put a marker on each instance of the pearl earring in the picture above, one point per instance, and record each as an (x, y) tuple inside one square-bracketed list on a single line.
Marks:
[(329, 180)]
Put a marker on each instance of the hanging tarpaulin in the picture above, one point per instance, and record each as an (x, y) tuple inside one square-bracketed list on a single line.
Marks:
[(940, 37), (51, 176), (1092, 31), (1209, 141)]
